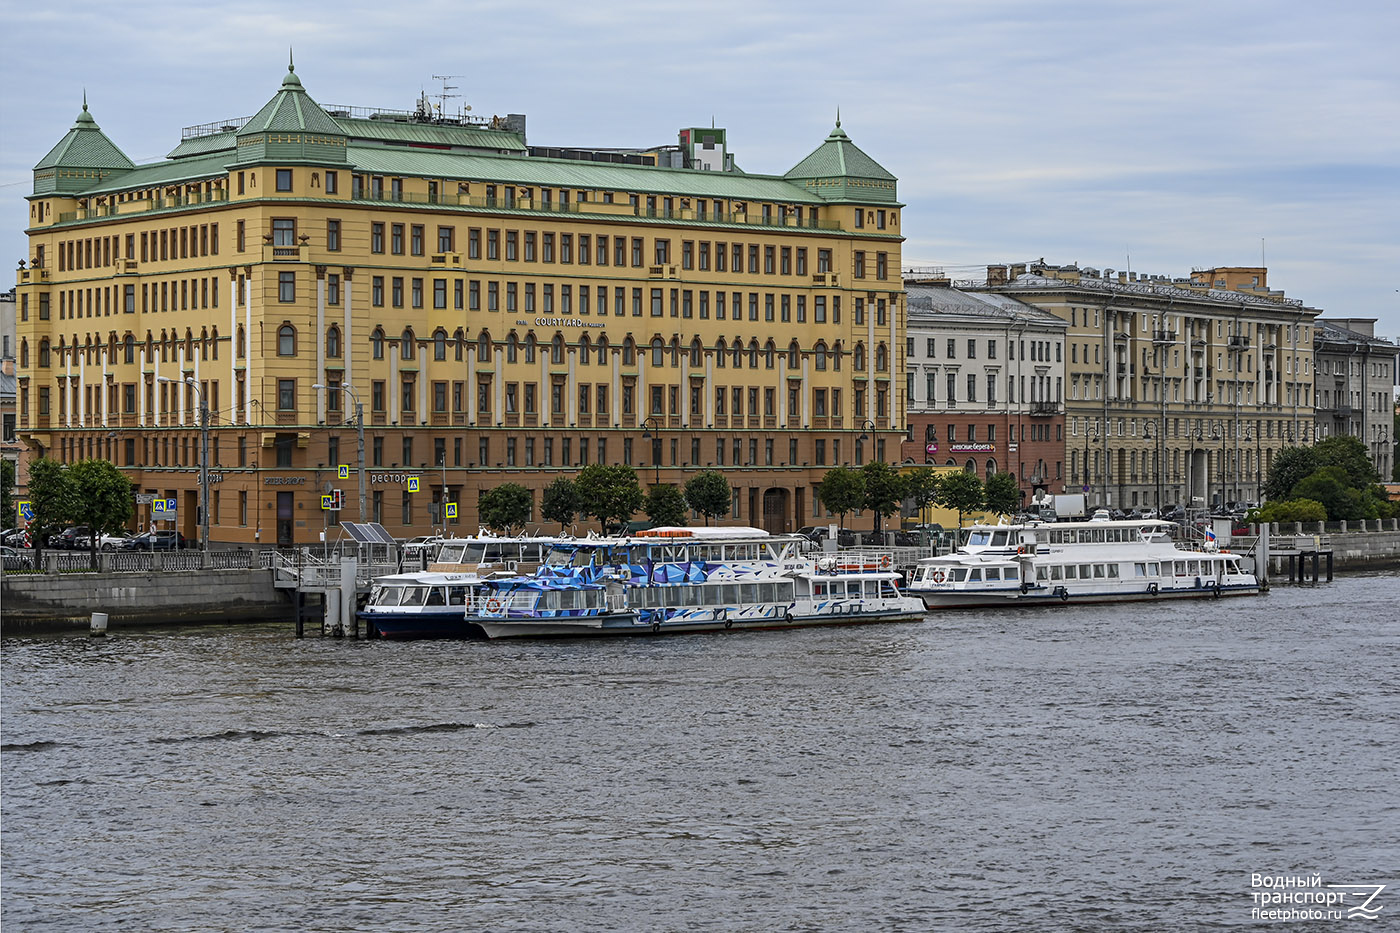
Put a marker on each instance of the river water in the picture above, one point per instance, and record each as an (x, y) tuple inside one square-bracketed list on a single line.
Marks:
[(1076, 768)]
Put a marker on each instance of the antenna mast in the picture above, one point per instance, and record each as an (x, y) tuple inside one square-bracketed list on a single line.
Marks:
[(443, 96)]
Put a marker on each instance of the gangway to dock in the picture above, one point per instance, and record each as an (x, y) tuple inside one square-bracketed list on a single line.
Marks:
[(338, 574)]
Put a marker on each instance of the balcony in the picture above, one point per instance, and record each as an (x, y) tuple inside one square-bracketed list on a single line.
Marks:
[(286, 253), (830, 279), (1164, 336), (663, 272), (453, 260), (125, 267), (1238, 343), (1043, 409)]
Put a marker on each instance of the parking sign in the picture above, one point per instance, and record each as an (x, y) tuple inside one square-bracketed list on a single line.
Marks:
[(413, 484)]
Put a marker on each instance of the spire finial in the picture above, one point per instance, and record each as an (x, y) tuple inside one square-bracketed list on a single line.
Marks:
[(84, 99), (838, 116), (290, 65)]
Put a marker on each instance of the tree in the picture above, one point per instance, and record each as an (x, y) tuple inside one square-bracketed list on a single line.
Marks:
[(1330, 487), (51, 497), (1349, 453), (559, 503), (1289, 467), (7, 497), (709, 494), (884, 489), (1002, 494), (103, 498), (962, 491), (610, 494), (506, 507), (665, 505), (842, 490), (922, 488), (1293, 510)]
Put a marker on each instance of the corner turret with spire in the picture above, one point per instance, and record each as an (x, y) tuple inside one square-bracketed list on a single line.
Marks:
[(83, 157), (291, 128), (839, 171)]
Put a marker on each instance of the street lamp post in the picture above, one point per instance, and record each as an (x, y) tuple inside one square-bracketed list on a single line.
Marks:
[(203, 459), (649, 425), (1218, 434), (1091, 432), (359, 435), (1155, 434)]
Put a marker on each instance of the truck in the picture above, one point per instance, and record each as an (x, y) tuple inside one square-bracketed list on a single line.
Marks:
[(1064, 507)]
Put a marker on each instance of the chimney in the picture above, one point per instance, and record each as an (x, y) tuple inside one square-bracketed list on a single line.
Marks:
[(996, 275)]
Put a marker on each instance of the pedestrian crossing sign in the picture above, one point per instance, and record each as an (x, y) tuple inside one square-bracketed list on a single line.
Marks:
[(326, 502), (343, 471), (413, 484), (451, 510)]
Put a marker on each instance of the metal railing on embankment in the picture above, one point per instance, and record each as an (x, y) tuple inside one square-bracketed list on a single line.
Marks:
[(54, 561)]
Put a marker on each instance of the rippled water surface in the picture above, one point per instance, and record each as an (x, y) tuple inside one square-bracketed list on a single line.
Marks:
[(1077, 768)]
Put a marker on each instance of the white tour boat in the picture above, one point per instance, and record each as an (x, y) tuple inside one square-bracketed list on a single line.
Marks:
[(1068, 562)]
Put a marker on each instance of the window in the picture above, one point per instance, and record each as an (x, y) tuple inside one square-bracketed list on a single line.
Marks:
[(286, 287), (286, 394), (333, 342), (286, 340), (284, 179), (376, 238)]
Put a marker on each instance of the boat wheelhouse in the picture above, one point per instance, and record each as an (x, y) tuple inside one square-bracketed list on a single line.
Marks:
[(1093, 561)]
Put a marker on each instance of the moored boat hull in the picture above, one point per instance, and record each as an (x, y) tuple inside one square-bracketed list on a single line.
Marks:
[(1046, 596)]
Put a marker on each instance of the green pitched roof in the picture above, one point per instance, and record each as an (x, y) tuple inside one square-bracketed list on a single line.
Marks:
[(436, 134), (292, 128), (82, 156), (839, 171)]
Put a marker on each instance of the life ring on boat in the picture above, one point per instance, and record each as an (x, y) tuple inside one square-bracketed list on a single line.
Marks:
[(1020, 549), (1064, 595), (1152, 588), (493, 605), (728, 623), (884, 562), (1198, 583), (937, 576), (656, 626), (1215, 590), (1025, 587), (787, 617)]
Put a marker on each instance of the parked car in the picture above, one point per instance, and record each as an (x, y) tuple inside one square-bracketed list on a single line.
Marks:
[(157, 541), (14, 537), (13, 559), (112, 540), (68, 538)]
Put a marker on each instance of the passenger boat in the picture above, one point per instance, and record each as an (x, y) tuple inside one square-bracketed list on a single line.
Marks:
[(688, 580), (1072, 562), (431, 603)]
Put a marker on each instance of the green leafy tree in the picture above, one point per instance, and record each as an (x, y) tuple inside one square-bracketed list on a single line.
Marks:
[(709, 494), (665, 505), (610, 494), (103, 498), (52, 498), (8, 513), (962, 492), (1002, 493), (559, 503), (1293, 510), (842, 490), (1291, 465), (1330, 487), (885, 489), (922, 488), (506, 507), (1349, 453)]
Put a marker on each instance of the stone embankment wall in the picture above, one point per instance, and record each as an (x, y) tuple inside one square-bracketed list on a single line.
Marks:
[(61, 601), (1353, 544)]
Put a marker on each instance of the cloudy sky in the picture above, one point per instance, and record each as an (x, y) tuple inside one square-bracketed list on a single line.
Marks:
[(1169, 135)]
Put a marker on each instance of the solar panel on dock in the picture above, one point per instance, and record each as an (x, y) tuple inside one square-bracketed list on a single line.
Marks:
[(368, 532)]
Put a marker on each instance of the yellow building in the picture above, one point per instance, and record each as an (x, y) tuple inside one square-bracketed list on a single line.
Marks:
[(502, 313)]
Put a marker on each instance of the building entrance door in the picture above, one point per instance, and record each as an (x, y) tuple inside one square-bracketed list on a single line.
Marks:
[(775, 507), (285, 518)]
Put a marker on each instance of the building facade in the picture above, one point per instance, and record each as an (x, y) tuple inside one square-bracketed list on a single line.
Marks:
[(1355, 376), (502, 314), (985, 384), (1178, 390)]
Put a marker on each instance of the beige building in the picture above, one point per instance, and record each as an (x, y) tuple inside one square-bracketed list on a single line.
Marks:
[(1354, 384)]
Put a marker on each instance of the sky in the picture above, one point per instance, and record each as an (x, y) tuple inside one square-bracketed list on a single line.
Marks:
[(1159, 137)]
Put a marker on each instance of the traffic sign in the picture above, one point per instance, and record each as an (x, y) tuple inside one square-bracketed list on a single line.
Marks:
[(333, 501), (413, 484), (158, 506), (343, 471), (326, 501), (145, 498), (451, 510), (26, 510)]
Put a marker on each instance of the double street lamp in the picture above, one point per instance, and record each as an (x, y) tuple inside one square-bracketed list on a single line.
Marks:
[(359, 434), (203, 457)]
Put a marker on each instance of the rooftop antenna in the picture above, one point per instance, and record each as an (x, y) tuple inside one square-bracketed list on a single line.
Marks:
[(443, 96), (1262, 263)]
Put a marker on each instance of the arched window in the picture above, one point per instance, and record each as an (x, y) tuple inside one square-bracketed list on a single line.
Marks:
[(376, 343), (794, 355), (836, 353), (991, 468), (439, 344), (530, 347), (970, 466), (24, 353), (150, 344), (858, 357), (602, 351), (819, 356), (770, 355), (214, 342), (204, 344), (722, 353), (556, 349), (286, 340), (189, 344), (240, 351), (44, 353), (881, 358), (676, 352), (697, 353), (459, 344), (753, 354), (585, 350), (129, 349), (483, 347), (408, 344), (333, 342), (629, 352), (658, 352), (512, 347), (737, 352), (112, 347)]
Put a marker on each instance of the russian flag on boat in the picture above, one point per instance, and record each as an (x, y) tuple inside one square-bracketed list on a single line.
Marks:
[(1210, 535)]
